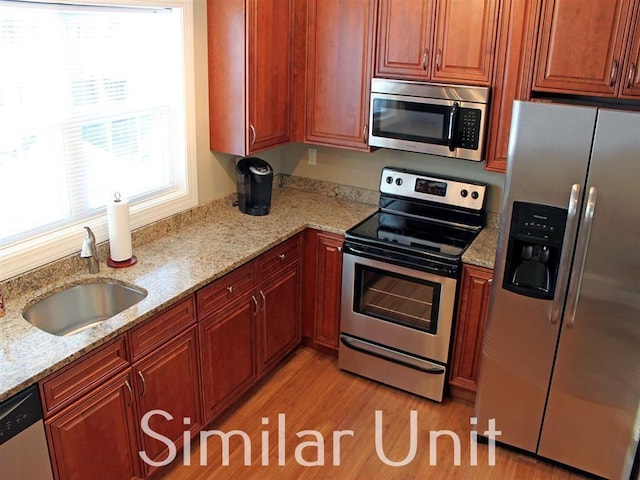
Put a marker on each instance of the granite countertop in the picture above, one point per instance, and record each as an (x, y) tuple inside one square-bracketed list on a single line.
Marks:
[(174, 264), (483, 249)]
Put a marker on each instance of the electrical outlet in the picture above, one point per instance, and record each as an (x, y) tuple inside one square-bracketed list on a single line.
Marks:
[(311, 156)]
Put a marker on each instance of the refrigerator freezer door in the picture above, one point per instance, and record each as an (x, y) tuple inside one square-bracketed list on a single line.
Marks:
[(549, 152), (593, 415)]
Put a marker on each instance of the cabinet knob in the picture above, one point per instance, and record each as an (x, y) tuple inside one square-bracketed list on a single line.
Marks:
[(281, 256), (230, 289)]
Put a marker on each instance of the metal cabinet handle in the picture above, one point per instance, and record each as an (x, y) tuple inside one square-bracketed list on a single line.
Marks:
[(632, 74), (438, 56), (126, 383), (340, 249), (255, 302), (264, 300), (614, 73), (424, 59), (365, 133), (230, 289), (565, 259), (253, 134), (282, 256), (581, 258), (144, 383)]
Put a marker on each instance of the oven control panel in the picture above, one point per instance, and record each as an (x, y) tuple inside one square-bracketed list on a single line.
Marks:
[(422, 186)]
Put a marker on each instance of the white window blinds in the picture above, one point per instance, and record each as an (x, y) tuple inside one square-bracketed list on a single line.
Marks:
[(91, 102)]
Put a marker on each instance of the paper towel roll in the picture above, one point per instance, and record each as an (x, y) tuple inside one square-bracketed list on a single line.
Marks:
[(119, 229)]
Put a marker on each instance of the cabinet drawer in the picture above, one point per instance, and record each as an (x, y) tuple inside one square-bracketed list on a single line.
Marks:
[(82, 375), (278, 257), (162, 327), (225, 290)]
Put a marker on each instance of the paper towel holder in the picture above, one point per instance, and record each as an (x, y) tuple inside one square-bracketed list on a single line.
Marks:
[(123, 263)]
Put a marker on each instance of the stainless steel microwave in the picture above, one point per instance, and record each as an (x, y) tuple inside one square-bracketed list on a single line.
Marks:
[(446, 120)]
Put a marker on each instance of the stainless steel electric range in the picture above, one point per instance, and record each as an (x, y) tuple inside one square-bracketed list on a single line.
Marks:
[(400, 273)]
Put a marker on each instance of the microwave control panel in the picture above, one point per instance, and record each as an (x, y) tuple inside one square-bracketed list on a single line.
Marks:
[(469, 128)]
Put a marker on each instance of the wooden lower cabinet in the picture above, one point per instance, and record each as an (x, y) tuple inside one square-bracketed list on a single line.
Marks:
[(323, 285), (280, 316), (227, 352), (169, 381), (248, 321), (473, 305), (96, 437)]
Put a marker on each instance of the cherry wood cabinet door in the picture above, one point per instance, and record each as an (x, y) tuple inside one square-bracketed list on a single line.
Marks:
[(328, 289), (280, 306), (581, 46), (631, 77), (464, 41), (269, 75), (405, 33), (338, 74), (168, 380), (227, 350), (512, 76), (95, 438), (249, 59), (472, 316)]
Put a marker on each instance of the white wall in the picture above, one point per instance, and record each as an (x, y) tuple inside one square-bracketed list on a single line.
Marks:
[(363, 169)]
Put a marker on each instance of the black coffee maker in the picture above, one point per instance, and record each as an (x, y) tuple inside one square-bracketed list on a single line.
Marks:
[(254, 178), (533, 254)]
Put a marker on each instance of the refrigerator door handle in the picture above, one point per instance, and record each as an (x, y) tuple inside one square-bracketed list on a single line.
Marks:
[(573, 296), (565, 261)]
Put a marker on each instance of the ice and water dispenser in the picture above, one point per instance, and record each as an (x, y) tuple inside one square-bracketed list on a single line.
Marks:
[(533, 253)]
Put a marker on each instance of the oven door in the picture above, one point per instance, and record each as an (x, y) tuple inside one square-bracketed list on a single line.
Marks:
[(398, 307)]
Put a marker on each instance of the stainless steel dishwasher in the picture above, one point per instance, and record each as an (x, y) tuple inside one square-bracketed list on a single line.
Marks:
[(23, 445)]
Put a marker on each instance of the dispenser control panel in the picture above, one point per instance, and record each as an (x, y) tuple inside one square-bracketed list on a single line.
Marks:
[(539, 222)]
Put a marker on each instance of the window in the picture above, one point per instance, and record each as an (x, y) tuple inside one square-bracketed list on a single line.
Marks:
[(93, 100)]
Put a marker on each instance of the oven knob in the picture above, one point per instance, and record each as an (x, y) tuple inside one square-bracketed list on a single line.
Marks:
[(398, 181), (474, 195), (389, 180), (464, 193)]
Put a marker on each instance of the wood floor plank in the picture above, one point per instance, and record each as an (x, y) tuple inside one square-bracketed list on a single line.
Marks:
[(313, 394)]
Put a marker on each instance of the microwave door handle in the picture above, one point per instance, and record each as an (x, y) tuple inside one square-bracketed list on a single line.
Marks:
[(453, 122)]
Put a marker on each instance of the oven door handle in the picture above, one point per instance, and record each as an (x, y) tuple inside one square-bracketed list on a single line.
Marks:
[(392, 356), (382, 258)]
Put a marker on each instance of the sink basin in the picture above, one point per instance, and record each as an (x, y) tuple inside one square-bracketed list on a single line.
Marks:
[(79, 307)]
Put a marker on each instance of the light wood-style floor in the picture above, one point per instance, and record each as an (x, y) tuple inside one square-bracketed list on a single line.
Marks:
[(314, 394)]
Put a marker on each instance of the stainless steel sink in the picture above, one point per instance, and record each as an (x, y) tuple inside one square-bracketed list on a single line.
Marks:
[(81, 306)]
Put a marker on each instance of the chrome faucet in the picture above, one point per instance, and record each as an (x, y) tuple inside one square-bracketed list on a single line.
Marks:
[(90, 252)]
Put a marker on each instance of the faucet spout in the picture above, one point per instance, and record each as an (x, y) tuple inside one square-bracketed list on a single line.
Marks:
[(90, 252)]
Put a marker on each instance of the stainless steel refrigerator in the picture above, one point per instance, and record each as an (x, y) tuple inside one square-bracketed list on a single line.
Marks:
[(560, 367)]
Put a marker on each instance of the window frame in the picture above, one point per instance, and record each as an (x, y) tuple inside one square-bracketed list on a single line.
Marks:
[(57, 243)]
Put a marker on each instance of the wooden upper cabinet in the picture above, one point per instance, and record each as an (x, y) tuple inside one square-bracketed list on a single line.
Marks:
[(338, 72), (512, 76), (581, 48), (449, 41), (465, 38), (250, 74), (631, 72), (405, 34)]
